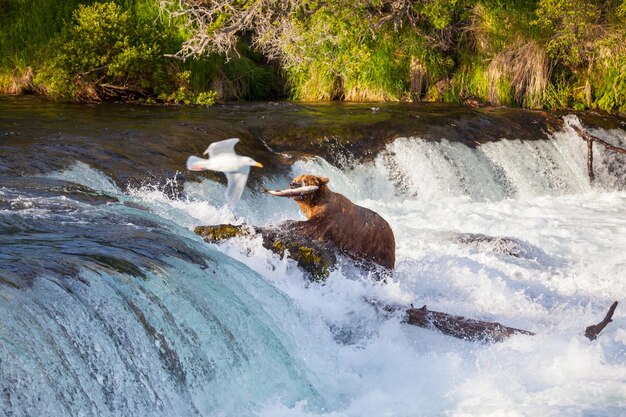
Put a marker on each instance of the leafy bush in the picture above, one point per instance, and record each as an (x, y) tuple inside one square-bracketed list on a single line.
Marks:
[(109, 53), (571, 24), (184, 93), (206, 98), (336, 54)]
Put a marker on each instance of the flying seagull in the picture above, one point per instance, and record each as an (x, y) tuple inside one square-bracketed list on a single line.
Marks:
[(222, 158)]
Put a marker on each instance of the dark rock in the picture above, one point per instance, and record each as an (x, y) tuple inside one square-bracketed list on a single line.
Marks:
[(220, 232), (314, 258)]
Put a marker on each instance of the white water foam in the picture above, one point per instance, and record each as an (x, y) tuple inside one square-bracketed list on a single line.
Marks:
[(573, 236)]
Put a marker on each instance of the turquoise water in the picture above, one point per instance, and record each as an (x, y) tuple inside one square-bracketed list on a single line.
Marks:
[(111, 305)]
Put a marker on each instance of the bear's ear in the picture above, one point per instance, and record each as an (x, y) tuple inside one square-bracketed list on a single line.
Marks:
[(323, 180)]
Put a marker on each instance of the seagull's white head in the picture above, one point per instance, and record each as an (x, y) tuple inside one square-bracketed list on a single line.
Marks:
[(252, 162)]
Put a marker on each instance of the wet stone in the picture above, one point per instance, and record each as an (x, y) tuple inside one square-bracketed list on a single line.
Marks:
[(315, 259)]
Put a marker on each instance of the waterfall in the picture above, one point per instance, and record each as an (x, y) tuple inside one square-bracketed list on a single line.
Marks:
[(112, 306), (109, 310), (412, 168)]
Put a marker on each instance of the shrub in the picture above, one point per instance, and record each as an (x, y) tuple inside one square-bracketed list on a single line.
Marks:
[(570, 25), (106, 52), (206, 98)]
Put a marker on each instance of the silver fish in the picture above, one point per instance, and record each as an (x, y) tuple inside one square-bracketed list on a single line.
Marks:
[(293, 192)]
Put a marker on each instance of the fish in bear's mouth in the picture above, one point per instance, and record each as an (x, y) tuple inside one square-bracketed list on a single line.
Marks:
[(295, 190)]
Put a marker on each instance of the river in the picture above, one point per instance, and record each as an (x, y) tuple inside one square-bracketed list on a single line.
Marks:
[(112, 306)]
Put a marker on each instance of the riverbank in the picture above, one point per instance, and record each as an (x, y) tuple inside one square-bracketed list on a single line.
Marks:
[(545, 54)]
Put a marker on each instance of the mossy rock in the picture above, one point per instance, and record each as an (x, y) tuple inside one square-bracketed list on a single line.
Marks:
[(317, 262), (316, 259), (217, 233)]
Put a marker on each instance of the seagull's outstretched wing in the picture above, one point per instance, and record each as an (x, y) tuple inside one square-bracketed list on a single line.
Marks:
[(223, 146), (236, 184)]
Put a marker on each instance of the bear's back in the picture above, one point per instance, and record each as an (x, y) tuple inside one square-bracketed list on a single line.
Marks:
[(356, 230)]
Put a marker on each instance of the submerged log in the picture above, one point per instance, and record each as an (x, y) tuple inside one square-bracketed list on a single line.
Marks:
[(498, 244), (478, 330), (461, 327)]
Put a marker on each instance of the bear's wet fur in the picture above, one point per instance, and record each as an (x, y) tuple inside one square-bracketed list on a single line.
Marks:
[(332, 218)]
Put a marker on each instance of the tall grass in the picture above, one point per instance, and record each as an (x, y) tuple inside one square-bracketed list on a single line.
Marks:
[(339, 57), (28, 25)]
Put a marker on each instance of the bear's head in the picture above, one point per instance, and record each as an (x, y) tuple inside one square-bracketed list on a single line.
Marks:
[(308, 179), (305, 180), (309, 200)]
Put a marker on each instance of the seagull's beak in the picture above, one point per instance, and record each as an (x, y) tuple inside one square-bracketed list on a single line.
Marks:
[(258, 164)]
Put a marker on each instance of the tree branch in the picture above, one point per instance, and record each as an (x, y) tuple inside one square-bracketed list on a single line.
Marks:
[(594, 330), (461, 327), (589, 137)]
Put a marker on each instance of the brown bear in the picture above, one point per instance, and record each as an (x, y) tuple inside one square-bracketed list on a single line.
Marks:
[(333, 218)]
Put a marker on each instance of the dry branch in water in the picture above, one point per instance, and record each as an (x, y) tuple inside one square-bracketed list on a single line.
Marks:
[(477, 330), (587, 136), (461, 327), (594, 330), (590, 139)]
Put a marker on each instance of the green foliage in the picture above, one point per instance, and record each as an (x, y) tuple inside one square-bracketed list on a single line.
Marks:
[(558, 95), (90, 51), (247, 76), (470, 81), (206, 98), (620, 13), (611, 87), (532, 53), (337, 56), (26, 26), (570, 24), (105, 52), (590, 49), (438, 13), (184, 94)]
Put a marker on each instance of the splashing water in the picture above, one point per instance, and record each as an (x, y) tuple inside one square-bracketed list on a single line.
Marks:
[(123, 311)]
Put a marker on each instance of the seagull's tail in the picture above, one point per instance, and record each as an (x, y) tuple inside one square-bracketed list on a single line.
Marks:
[(195, 164)]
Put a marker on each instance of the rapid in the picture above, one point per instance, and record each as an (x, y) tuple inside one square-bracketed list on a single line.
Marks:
[(112, 306)]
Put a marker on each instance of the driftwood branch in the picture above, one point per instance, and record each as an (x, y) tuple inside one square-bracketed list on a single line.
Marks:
[(461, 327), (594, 330), (588, 136), (94, 70), (112, 90), (590, 140), (592, 176), (478, 330)]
